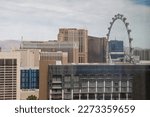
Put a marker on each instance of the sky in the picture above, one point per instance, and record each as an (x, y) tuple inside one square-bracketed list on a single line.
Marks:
[(41, 19)]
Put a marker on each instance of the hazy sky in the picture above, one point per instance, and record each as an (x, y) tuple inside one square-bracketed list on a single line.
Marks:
[(41, 19)]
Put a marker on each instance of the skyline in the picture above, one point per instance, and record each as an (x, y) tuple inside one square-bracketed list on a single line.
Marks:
[(41, 20)]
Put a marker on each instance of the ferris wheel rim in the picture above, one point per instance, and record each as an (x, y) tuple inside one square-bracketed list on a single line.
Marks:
[(124, 20)]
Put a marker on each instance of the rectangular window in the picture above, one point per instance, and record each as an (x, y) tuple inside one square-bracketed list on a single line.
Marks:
[(14, 61), (1, 62), (8, 62), (108, 84)]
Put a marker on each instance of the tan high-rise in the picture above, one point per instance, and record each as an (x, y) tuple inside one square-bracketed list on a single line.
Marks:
[(53, 46), (9, 75), (76, 35), (47, 58)]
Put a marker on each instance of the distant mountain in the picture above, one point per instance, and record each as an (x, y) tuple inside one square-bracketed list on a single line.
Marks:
[(7, 45)]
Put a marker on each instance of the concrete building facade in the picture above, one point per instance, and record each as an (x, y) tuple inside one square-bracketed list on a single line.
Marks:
[(144, 54), (47, 58), (29, 57), (97, 49), (76, 35), (53, 46), (98, 82), (9, 75)]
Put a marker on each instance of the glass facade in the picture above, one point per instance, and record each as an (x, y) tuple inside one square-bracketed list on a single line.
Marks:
[(29, 79), (116, 47)]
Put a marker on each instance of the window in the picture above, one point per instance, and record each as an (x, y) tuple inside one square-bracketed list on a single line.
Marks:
[(116, 89), (123, 95), (83, 90), (116, 83), (67, 96), (14, 61), (84, 96), (92, 96), (1, 62), (124, 89), (100, 96), (107, 96), (115, 96), (123, 84), (92, 90), (67, 78), (108, 83), (130, 83), (76, 78), (76, 90), (100, 89), (92, 83), (100, 83), (67, 85), (76, 96), (107, 89), (76, 84), (8, 62)]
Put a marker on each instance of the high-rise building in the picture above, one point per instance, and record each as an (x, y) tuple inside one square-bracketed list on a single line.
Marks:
[(53, 46), (76, 35), (9, 75), (47, 58), (97, 82), (116, 50), (97, 49), (55, 57), (144, 54)]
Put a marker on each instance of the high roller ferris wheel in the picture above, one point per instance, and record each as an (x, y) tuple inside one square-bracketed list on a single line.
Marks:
[(129, 55)]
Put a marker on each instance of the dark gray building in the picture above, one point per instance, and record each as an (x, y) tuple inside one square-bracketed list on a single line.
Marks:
[(98, 82)]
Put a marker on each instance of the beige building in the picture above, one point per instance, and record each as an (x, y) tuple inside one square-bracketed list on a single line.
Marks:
[(9, 75), (76, 35), (144, 54), (59, 57), (25, 93), (29, 57), (47, 58), (53, 46)]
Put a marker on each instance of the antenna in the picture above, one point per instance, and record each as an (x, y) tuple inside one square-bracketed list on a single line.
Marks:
[(21, 42)]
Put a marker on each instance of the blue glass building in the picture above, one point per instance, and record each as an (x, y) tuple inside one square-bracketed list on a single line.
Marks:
[(116, 49), (29, 79)]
